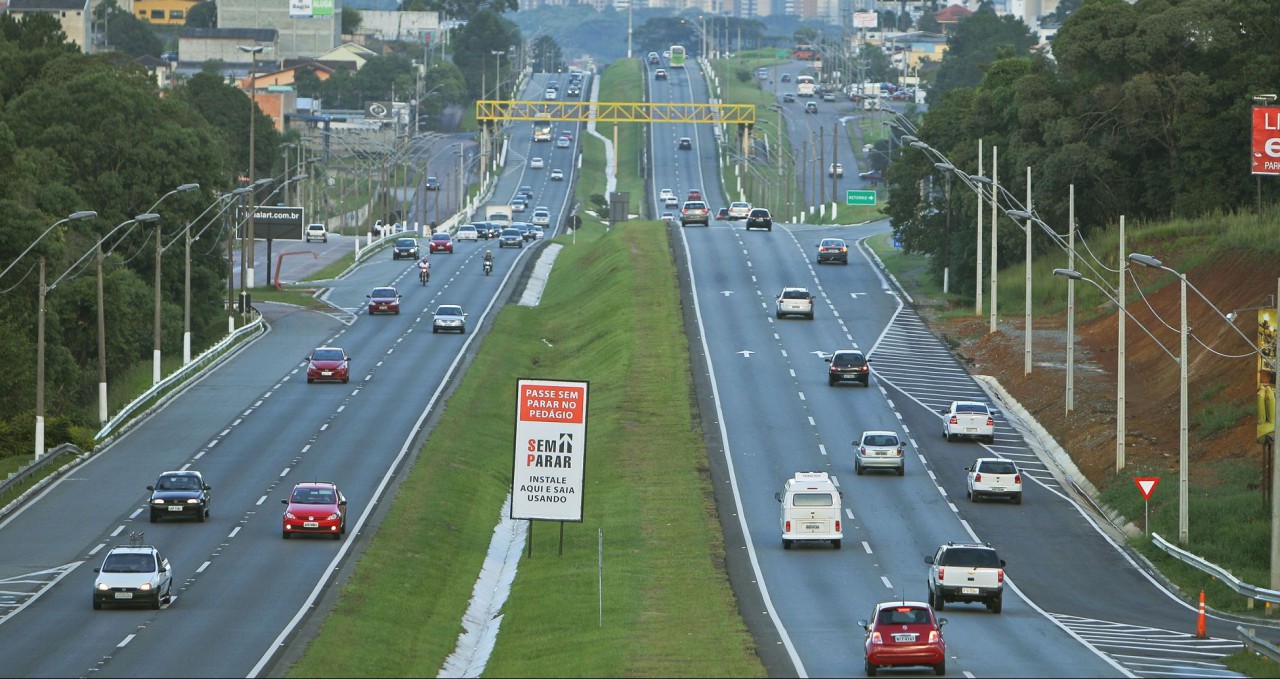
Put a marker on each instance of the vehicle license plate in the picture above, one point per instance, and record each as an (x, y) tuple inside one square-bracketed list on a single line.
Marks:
[(326, 373), (997, 488), (175, 508), (882, 453), (904, 638), (968, 590), (968, 429), (813, 526), (124, 595), (383, 307), (313, 524)]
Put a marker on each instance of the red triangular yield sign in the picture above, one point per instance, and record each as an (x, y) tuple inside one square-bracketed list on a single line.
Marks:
[(1147, 485)]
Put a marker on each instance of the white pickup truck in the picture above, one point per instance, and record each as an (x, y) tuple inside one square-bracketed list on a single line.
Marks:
[(993, 477), (969, 419), (966, 572)]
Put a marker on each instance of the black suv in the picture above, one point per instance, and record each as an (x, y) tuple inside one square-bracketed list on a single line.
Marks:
[(433, 184), (759, 218), (848, 364), (406, 248), (180, 495)]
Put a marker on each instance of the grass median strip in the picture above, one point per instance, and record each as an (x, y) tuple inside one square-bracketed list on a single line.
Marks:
[(611, 315)]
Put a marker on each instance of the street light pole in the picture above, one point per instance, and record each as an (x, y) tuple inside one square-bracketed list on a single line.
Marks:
[(40, 366), (246, 255)]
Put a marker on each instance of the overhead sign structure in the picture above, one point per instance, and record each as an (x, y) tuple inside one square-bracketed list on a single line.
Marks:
[(1266, 140), (860, 198), (550, 450)]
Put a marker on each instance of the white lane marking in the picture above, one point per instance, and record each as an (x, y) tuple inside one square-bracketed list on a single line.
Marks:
[(184, 467), (306, 448), (96, 549), (886, 582), (849, 512), (201, 453), (822, 449), (259, 403), (238, 421), (341, 408), (261, 500), (324, 426), (801, 395), (117, 531), (835, 482), (866, 546), (286, 471), (793, 371), (126, 641), (811, 422), (234, 531), (136, 512), (224, 433), (203, 566)]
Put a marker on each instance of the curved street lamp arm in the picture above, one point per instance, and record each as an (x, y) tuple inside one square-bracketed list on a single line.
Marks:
[(74, 216)]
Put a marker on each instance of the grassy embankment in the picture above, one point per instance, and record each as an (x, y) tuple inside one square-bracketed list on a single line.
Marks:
[(611, 316), (1240, 545)]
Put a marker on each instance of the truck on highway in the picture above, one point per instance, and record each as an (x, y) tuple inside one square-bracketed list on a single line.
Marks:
[(499, 214), (967, 572), (542, 126)]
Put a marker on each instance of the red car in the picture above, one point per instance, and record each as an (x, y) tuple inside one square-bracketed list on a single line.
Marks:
[(384, 301), (315, 508), (441, 242), (902, 634), (694, 194), (328, 364)]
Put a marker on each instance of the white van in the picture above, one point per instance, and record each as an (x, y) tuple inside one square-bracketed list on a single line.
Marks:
[(810, 509)]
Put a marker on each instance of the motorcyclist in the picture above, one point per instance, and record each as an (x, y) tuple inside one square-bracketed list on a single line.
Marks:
[(424, 268), (488, 261)]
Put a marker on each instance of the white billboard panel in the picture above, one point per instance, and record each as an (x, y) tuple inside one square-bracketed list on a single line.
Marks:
[(550, 450)]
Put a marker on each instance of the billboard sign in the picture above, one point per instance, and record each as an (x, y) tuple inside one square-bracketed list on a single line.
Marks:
[(550, 450), (275, 222), (866, 19), (307, 9), (1266, 372), (1265, 156)]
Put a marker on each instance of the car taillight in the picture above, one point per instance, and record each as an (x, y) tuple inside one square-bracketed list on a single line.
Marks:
[(837, 525), (991, 421), (933, 636), (862, 451), (942, 573), (977, 478), (1000, 576), (1017, 478), (876, 638), (955, 420), (788, 527), (844, 249), (899, 452), (865, 368)]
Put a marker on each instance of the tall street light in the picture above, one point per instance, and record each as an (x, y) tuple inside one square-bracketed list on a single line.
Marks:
[(74, 216), (186, 270), (497, 73), (1183, 457), (246, 258), (155, 363)]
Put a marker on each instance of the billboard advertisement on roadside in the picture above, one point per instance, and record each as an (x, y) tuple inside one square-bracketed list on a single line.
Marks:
[(1266, 372), (1265, 154), (550, 450)]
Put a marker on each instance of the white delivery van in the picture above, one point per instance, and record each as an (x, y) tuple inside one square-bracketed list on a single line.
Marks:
[(498, 213), (810, 509)]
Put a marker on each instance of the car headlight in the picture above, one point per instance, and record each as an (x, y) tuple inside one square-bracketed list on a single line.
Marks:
[(333, 517), (102, 587), (193, 500), (157, 501), (145, 587), (289, 515)]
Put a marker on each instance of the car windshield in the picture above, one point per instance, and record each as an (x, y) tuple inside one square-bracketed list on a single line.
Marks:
[(795, 294), (881, 440), (384, 292), (466, 227), (313, 496), (904, 615), (971, 408), (832, 243), (972, 557), (812, 500), (440, 236), (178, 483), (405, 243), (510, 232), (999, 467), (129, 563), (449, 311), (326, 355), (848, 358)]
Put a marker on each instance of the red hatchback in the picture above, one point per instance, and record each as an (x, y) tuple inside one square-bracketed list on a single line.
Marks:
[(384, 301), (441, 242), (694, 194), (902, 634), (315, 508), (328, 364)]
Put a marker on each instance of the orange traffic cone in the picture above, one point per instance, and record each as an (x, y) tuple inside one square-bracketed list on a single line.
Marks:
[(1200, 632)]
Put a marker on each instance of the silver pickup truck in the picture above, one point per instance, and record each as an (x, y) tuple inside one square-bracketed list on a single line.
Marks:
[(966, 572)]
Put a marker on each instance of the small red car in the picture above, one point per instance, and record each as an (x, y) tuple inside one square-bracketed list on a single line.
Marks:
[(441, 242), (315, 508), (384, 301), (903, 634), (694, 194), (328, 364)]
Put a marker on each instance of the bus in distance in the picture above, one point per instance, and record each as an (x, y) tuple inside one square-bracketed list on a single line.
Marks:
[(542, 126), (805, 86), (677, 56), (805, 53)]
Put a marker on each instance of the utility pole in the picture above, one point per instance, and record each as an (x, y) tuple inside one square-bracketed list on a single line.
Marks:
[(835, 158), (822, 155)]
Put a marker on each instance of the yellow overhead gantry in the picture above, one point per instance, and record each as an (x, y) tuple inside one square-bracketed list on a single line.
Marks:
[(616, 112)]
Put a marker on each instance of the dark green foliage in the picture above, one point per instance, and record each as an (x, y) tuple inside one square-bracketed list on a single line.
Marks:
[(472, 46), (203, 14)]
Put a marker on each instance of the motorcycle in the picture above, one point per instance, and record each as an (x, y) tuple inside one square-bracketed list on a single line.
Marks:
[(488, 266), (424, 275)]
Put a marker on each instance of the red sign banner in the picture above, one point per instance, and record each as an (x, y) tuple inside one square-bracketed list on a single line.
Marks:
[(1265, 156), (1147, 485)]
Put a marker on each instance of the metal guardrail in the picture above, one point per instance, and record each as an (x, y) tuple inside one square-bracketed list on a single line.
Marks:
[(1260, 646), (178, 376), (17, 478), (1237, 585)]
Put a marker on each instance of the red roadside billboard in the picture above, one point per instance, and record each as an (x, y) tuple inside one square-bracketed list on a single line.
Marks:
[(1265, 157)]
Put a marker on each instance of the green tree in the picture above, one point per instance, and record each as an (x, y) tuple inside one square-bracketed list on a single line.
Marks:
[(976, 42), (351, 20), (203, 14), (467, 10), (125, 32), (805, 35), (545, 55), (472, 44), (929, 22), (227, 108)]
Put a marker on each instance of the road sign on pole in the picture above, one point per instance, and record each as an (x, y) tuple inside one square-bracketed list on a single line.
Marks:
[(550, 450), (860, 198), (1146, 486)]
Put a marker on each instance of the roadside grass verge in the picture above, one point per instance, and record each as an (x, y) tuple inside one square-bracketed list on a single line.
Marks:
[(606, 317), (620, 83)]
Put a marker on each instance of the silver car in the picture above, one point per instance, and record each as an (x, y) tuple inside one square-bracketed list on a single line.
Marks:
[(449, 317), (795, 302), (879, 449)]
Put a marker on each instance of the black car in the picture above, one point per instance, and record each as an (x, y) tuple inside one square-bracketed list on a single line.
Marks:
[(525, 229), (511, 237), (526, 191), (848, 364), (759, 218), (685, 144), (786, 77), (433, 184), (406, 248), (871, 176), (788, 98), (180, 495)]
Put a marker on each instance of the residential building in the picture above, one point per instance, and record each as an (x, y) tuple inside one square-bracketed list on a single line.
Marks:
[(163, 12), (74, 15), (199, 45)]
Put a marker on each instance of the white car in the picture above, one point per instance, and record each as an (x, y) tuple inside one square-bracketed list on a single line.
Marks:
[(537, 232), (670, 201), (739, 210), (969, 419), (557, 175), (993, 477), (668, 217), (794, 301), (133, 574), (467, 232), (541, 217), (550, 94), (879, 449), (537, 164), (449, 317), (664, 194), (317, 232)]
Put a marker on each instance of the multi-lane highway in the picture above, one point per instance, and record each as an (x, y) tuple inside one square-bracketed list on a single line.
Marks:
[(254, 427), (1077, 605)]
